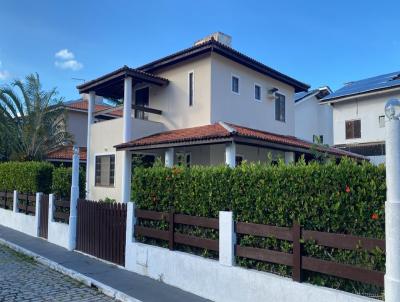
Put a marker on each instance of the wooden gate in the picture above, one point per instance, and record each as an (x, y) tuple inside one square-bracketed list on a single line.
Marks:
[(101, 230), (44, 216)]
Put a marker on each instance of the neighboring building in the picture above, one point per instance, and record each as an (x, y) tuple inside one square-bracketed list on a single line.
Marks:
[(76, 121), (205, 105), (359, 114), (313, 122)]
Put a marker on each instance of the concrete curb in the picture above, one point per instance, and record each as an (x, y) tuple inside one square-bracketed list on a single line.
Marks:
[(105, 289)]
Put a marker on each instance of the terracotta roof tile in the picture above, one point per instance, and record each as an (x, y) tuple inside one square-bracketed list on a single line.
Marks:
[(216, 131), (66, 154), (83, 105)]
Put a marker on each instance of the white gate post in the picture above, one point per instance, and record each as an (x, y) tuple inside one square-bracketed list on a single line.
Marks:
[(130, 245), (52, 198), (392, 205), (74, 200), (37, 212), (227, 238)]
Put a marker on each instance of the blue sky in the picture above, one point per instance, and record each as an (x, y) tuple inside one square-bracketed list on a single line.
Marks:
[(317, 42)]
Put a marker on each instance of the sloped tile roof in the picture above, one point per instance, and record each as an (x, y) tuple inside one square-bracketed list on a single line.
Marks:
[(66, 153), (218, 131), (83, 105)]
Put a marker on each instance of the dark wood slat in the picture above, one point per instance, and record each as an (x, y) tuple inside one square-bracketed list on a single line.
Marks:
[(152, 215), (205, 222), (264, 255), (61, 215), (343, 271), (296, 272), (209, 244), (171, 229), (62, 203), (264, 230), (342, 241), (147, 109), (150, 232)]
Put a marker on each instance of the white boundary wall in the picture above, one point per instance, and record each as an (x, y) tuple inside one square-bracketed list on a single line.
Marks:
[(58, 233), (217, 280), (27, 224)]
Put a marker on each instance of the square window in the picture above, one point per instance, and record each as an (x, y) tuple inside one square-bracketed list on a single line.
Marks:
[(235, 84), (353, 129), (104, 170), (257, 92)]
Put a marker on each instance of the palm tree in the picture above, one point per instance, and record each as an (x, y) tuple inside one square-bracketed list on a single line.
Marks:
[(32, 121)]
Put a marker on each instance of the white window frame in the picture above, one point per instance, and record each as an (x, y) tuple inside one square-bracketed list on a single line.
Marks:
[(379, 121), (188, 85), (115, 164), (231, 82), (185, 154), (280, 93), (257, 85)]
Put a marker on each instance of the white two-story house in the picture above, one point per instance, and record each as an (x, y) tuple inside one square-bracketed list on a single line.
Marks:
[(205, 105), (359, 114)]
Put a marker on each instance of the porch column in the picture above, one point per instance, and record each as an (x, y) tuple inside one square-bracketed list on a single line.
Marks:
[(289, 157), (91, 104), (126, 137), (169, 157), (230, 154)]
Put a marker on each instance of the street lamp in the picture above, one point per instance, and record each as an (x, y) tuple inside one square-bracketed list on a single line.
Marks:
[(392, 205)]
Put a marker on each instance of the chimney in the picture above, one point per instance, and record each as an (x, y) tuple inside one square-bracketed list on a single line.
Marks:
[(219, 37)]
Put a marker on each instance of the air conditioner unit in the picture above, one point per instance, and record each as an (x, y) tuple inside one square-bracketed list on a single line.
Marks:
[(271, 93)]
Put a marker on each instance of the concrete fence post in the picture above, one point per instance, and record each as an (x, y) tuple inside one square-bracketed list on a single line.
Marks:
[(227, 239), (392, 205), (130, 247), (37, 212), (15, 202), (74, 200), (51, 208)]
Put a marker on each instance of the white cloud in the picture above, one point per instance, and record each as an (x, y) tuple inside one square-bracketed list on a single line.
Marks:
[(69, 64), (4, 75), (65, 54)]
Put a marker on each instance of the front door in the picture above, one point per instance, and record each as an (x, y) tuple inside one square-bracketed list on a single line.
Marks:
[(142, 99)]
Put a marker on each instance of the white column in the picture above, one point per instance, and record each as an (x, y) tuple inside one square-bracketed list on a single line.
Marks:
[(169, 157), (91, 104), (289, 157), (74, 200), (52, 198), (392, 207), (227, 239), (126, 137), (230, 154), (37, 212), (130, 246), (15, 202)]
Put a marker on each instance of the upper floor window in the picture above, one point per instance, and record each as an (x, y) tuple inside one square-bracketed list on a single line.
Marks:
[(353, 129), (257, 92), (235, 84), (318, 139), (104, 170), (191, 87), (142, 100), (280, 114), (381, 121)]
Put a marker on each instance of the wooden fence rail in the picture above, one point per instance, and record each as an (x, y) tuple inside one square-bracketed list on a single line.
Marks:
[(6, 200), (26, 203), (297, 260), (61, 211), (171, 235)]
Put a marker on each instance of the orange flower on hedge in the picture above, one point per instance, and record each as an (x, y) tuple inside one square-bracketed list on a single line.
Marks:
[(347, 189), (374, 216)]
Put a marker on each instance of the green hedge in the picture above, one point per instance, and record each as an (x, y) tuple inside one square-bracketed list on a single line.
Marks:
[(26, 177), (343, 198), (61, 183)]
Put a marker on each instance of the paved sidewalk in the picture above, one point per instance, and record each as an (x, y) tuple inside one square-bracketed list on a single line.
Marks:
[(23, 279), (139, 287)]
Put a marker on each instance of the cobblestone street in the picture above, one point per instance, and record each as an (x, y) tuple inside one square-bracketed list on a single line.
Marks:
[(23, 279)]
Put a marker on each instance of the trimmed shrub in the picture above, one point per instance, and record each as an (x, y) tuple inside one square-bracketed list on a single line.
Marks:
[(27, 177), (62, 182), (343, 198)]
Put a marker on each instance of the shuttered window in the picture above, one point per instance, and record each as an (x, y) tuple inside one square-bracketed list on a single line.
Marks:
[(280, 114), (353, 129), (104, 173)]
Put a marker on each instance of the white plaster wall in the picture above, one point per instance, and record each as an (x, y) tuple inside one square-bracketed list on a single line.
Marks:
[(173, 99), (311, 118), (19, 222), (58, 233), (209, 279), (107, 134), (368, 109), (241, 108), (77, 126)]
